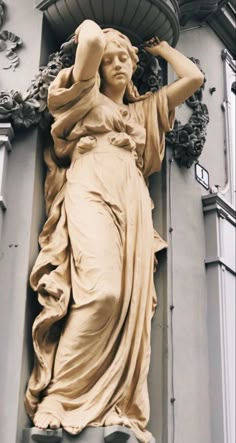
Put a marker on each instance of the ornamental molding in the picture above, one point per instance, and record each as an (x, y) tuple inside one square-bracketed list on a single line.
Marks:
[(138, 19), (226, 56), (223, 23), (63, 17), (198, 8), (6, 136), (44, 4), (9, 42), (2, 13), (216, 203), (220, 224)]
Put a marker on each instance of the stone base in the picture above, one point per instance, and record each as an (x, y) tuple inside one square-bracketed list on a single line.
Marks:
[(109, 434)]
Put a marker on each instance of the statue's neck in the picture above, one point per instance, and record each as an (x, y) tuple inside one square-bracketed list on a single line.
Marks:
[(116, 95)]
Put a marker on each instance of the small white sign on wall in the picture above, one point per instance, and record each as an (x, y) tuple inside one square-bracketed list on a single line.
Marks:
[(202, 175)]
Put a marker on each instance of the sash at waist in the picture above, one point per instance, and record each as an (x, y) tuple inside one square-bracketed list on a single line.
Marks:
[(106, 143)]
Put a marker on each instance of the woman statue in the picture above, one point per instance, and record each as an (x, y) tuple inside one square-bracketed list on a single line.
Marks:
[(95, 268)]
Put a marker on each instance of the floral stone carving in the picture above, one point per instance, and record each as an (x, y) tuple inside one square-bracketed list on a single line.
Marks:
[(187, 140), (7, 37), (9, 41), (25, 110)]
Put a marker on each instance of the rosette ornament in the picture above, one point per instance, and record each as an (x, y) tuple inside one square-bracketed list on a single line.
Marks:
[(13, 108)]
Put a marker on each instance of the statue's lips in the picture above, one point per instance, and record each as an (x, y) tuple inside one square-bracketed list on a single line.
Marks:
[(118, 73)]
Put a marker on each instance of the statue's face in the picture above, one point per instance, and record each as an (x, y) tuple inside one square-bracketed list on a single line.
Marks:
[(116, 66)]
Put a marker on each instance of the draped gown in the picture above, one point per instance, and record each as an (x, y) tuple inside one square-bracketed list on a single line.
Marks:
[(94, 273)]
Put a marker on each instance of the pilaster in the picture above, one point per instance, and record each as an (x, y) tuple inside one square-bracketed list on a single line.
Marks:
[(220, 223), (6, 136)]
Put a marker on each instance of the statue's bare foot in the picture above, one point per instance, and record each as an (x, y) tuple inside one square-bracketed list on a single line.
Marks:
[(43, 420), (72, 430)]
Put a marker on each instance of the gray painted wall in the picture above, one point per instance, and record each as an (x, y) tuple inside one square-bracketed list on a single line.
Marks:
[(193, 406)]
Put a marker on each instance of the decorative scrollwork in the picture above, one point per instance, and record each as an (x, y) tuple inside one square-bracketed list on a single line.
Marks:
[(2, 13), (187, 140), (10, 50)]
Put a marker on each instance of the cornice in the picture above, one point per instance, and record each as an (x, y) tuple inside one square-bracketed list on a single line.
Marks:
[(225, 55), (216, 203), (223, 22), (6, 130), (197, 8), (44, 4), (220, 223)]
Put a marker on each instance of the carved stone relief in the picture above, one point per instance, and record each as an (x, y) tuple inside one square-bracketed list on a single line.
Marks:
[(187, 140), (9, 42)]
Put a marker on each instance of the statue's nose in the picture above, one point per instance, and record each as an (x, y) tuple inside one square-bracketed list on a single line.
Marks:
[(117, 63)]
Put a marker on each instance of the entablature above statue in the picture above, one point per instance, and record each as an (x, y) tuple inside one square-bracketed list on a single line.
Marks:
[(139, 20), (142, 19)]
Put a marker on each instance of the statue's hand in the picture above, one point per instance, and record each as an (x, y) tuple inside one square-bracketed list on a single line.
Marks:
[(154, 41), (87, 25), (154, 46)]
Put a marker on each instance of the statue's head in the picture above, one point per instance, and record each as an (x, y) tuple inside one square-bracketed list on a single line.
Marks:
[(121, 41), (119, 56)]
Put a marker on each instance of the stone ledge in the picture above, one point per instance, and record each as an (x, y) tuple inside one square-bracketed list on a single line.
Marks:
[(109, 434), (38, 435)]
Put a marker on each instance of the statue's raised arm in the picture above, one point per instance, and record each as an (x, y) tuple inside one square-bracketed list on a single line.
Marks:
[(90, 47), (190, 78)]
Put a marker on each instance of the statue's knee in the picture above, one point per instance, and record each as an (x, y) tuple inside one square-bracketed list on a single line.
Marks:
[(110, 299)]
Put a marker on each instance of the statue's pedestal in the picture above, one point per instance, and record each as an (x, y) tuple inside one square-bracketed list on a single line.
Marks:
[(109, 434)]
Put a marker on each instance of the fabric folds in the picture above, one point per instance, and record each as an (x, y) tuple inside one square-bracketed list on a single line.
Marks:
[(94, 273)]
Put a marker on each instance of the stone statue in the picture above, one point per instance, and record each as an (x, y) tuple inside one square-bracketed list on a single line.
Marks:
[(94, 273)]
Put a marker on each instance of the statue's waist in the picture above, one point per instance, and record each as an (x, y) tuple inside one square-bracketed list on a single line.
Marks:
[(101, 142)]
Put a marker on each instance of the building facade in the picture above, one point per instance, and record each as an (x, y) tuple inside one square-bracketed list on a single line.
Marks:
[(192, 374)]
